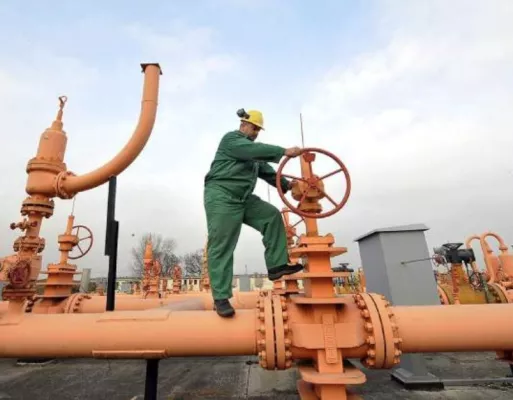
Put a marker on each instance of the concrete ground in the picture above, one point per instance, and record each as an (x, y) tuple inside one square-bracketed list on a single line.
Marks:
[(230, 378)]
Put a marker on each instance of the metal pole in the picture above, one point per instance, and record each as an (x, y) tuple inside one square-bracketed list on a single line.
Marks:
[(111, 210), (152, 378), (111, 244), (113, 261)]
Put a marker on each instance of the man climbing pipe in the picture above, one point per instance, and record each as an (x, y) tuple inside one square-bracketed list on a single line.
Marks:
[(229, 202)]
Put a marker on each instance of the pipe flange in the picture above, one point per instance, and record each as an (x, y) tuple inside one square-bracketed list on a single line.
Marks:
[(498, 292), (74, 301), (383, 340), (282, 333), (273, 333), (390, 331), (260, 327), (58, 185)]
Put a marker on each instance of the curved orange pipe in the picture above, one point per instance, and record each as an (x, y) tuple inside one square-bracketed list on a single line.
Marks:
[(502, 245), (135, 145), (45, 182), (491, 260)]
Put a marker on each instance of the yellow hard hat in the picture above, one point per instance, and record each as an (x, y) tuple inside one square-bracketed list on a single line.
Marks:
[(252, 116)]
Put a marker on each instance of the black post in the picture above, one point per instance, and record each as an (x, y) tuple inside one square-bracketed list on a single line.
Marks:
[(113, 262), (111, 244), (111, 211), (152, 377)]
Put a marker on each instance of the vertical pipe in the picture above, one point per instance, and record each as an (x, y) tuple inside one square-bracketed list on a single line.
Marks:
[(85, 280), (310, 223)]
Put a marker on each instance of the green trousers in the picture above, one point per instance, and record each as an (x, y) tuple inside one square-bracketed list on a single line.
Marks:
[(225, 216)]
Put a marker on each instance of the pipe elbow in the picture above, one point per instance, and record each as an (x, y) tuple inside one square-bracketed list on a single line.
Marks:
[(70, 184), (468, 241), (502, 244)]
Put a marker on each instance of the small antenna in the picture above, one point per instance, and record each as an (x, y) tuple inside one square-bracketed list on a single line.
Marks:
[(302, 133), (73, 206)]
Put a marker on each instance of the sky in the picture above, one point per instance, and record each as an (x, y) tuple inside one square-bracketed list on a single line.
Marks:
[(414, 97)]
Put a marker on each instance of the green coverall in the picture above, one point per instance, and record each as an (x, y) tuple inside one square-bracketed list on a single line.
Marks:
[(229, 202)]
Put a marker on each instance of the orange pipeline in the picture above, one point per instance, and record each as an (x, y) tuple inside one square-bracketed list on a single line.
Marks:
[(163, 333), (67, 184), (153, 334), (426, 329)]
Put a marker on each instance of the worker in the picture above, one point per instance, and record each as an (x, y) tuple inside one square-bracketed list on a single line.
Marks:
[(229, 202)]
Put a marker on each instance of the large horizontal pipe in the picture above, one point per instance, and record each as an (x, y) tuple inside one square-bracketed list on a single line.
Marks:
[(186, 305), (96, 304), (128, 334), (476, 327)]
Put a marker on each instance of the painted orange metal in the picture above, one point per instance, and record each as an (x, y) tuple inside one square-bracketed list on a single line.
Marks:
[(154, 334), (420, 328), (59, 282), (500, 268), (316, 313), (458, 287), (48, 177)]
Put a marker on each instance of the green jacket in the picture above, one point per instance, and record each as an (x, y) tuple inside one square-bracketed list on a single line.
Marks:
[(239, 162)]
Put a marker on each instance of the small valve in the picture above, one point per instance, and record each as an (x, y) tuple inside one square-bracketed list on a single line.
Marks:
[(23, 225)]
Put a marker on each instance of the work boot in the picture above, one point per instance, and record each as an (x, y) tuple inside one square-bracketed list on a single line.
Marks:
[(224, 308), (287, 269)]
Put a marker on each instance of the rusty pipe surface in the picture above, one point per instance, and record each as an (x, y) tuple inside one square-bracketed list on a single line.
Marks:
[(152, 334), (425, 329), (75, 184)]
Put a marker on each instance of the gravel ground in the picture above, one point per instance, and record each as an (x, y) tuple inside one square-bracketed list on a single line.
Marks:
[(230, 378)]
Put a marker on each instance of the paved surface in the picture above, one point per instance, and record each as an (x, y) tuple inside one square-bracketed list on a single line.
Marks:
[(229, 378)]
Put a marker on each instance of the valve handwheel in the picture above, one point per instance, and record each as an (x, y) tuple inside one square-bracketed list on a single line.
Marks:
[(88, 238), (314, 182)]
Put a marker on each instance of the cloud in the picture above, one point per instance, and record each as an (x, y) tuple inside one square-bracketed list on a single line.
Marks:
[(421, 121), (420, 114)]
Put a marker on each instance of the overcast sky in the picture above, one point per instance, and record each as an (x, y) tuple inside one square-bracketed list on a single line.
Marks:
[(416, 97)]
